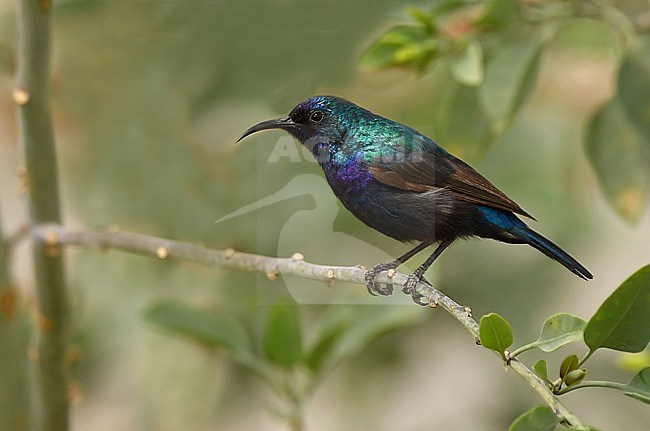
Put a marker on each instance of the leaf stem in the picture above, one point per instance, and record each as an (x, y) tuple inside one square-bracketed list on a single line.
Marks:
[(584, 358), (524, 348), (40, 177), (593, 384)]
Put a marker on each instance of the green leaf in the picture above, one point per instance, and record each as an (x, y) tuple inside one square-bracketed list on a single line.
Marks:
[(639, 386), (379, 55), (212, 328), (498, 13), (569, 364), (510, 75), (344, 331), (282, 339), (634, 88), (620, 155), (621, 322), (370, 325), (541, 370), (402, 45), (467, 67), (409, 54), (557, 331), (495, 333), (325, 344), (540, 418), (424, 18), (403, 35)]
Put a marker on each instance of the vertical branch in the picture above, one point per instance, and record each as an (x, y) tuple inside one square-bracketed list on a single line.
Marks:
[(14, 390), (50, 411), (4, 260)]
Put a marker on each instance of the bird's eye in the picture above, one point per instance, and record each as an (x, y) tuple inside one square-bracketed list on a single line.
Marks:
[(316, 116)]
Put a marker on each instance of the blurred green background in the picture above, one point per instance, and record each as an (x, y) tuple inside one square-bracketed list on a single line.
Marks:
[(148, 101)]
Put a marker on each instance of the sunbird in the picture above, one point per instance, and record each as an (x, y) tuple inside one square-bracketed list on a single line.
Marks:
[(401, 183)]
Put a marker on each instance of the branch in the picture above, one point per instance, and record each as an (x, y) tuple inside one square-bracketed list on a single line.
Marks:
[(4, 260), (40, 180), (54, 236)]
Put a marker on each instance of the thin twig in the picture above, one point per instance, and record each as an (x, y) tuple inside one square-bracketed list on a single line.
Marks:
[(40, 181), (55, 236)]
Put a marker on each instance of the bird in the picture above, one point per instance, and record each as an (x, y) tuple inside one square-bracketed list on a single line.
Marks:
[(406, 186)]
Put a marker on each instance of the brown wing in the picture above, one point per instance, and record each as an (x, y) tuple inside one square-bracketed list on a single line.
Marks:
[(432, 171)]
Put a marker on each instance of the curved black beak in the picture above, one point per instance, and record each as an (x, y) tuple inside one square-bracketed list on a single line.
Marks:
[(278, 123)]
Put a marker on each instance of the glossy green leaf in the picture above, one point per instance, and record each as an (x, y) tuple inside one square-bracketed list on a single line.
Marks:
[(557, 331), (467, 66), (634, 88), (509, 77), (620, 155), (209, 327), (495, 333), (639, 386), (621, 322), (541, 370), (569, 364), (540, 418), (282, 337)]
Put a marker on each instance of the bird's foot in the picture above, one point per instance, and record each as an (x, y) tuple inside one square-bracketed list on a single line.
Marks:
[(373, 286), (410, 288)]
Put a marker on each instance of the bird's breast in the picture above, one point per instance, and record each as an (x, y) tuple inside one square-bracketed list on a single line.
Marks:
[(348, 178)]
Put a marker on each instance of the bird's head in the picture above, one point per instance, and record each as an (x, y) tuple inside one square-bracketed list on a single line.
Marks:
[(318, 123)]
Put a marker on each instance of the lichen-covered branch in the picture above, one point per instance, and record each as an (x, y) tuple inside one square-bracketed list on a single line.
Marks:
[(55, 236), (40, 180)]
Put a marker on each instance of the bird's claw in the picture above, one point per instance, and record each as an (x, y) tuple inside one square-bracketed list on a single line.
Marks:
[(411, 283), (410, 288), (374, 287)]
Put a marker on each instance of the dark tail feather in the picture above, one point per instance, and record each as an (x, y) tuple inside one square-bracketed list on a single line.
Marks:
[(550, 249)]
